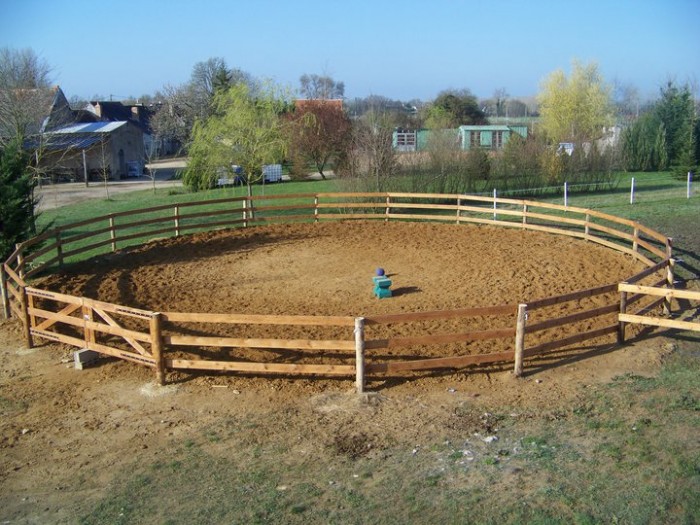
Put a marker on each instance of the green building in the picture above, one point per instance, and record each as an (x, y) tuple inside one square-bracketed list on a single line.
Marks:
[(491, 137)]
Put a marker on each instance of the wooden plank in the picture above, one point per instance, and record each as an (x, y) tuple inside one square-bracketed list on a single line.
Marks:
[(276, 368), (340, 205), (670, 293), (54, 296), (551, 229), (573, 296), (293, 320), (612, 218), (442, 362), (659, 237), (15, 293), (337, 195), (118, 309), (35, 255), (505, 309), (408, 217), (552, 218), (611, 231), (693, 326), (568, 319), (436, 339), (649, 271), (567, 341), (288, 344), (149, 233), (489, 211), (13, 276), (653, 249), (420, 206), (351, 216)]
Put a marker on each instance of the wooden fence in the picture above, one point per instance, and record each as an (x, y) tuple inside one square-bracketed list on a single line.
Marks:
[(168, 340)]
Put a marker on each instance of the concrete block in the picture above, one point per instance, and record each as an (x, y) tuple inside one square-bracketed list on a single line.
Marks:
[(84, 357)]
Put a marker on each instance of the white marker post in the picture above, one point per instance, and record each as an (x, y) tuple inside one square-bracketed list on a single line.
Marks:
[(494, 205), (632, 192)]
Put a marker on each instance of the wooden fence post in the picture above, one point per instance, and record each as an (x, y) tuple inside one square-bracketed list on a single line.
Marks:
[(635, 240), (669, 274), (20, 262), (459, 213), (520, 339), (157, 346), (360, 354), (88, 333), (3, 291), (620, 324), (112, 234), (587, 228), (26, 323), (524, 216)]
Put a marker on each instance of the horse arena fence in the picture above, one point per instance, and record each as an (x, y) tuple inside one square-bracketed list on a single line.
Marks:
[(171, 341)]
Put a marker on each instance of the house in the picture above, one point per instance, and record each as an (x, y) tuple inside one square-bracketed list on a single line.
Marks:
[(468, 137), (139, 115), (68, 144), (95, 150), (488, 137)]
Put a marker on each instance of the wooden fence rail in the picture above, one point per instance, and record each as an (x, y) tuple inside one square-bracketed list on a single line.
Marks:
[(157, 339)]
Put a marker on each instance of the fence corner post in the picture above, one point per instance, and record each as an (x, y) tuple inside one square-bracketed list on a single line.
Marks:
[(621, 324), (6, 312), (26, 319), (360, 354), (520, 339), (156, 330)]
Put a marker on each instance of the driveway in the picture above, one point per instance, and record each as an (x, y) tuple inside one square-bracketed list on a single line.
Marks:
[(57, 195)]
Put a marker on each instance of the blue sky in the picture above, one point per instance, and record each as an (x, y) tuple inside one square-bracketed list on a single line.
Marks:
[(401, 50)]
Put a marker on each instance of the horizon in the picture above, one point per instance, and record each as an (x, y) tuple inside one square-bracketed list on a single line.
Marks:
[(412, 53)]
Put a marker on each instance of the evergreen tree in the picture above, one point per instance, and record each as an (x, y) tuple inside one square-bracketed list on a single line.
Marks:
[(16, 198)]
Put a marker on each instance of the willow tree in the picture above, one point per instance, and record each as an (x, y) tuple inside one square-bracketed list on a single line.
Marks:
[(575, 108), (243, 130)]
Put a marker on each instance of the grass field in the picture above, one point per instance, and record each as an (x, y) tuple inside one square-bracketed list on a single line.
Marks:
[(625, 451)]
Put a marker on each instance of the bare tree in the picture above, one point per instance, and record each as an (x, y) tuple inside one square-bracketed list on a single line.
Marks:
[(181, 106), (372, 156), (24, 79), (321, 87)]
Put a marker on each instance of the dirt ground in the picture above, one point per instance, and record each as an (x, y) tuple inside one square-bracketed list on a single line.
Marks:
[(64, 433)]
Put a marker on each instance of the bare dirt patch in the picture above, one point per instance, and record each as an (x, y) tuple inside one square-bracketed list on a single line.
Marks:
[(66, 434)]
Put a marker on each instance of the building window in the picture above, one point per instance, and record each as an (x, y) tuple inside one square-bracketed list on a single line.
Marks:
[(497, 140), (475, 139)]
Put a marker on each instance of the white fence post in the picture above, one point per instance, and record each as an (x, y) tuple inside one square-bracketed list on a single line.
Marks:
[(495, 215), (566, 195), (690, 180), (632, 192), (360, 354)]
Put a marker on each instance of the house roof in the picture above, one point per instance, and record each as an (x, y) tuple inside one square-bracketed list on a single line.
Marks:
[(485, 128), (77, 136), (90, 127)]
